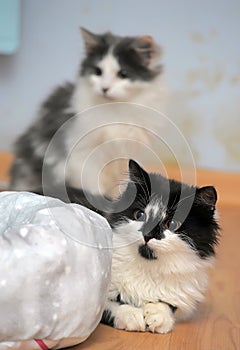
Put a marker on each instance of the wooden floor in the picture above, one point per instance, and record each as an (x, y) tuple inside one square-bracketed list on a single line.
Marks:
[(217, 323)]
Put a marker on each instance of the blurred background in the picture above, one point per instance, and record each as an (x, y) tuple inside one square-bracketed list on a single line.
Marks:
[(41, 46)]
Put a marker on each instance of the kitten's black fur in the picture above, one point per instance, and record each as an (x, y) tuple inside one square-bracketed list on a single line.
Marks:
[(195, 213), (161, 206)]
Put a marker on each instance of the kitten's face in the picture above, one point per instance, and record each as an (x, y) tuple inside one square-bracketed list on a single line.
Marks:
[(119, 68), (166, 217)]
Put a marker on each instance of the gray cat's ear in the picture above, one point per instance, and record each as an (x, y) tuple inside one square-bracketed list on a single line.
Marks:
[(207, 196), (138, 174), (91, 40), (147, 49)]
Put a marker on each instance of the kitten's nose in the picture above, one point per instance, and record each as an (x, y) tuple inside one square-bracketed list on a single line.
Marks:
[(105, 90), (156, 233), (147, 238)]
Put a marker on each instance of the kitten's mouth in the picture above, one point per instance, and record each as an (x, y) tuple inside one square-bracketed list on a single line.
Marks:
[(146, 252)]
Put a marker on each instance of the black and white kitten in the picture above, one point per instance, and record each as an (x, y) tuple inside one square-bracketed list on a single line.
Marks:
[(115, 69), (164, 234)]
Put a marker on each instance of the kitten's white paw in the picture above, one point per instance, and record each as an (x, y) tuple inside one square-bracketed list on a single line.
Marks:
[(129, 318), (158, 317)]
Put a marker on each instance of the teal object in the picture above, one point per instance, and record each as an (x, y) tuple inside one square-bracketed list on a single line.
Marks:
[(9, 26)]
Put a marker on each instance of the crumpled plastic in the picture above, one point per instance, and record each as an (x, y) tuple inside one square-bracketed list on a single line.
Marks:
[(55, 263)]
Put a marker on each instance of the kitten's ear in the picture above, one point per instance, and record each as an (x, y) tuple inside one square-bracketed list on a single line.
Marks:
[(147, 49), (138, 175), (91, 40), (207, 195)]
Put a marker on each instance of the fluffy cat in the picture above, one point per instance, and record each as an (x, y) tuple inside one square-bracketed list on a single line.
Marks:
[(164, 235), (115, 69)]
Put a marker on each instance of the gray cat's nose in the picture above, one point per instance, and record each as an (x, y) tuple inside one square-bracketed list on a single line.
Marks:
[(105, 90)]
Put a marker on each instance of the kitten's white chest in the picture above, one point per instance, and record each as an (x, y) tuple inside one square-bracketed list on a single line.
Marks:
[(178, 278)]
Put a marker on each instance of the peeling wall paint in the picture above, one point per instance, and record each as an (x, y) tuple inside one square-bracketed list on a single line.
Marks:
[(227, 133)]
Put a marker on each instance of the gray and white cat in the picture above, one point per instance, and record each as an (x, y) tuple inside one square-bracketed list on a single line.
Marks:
[(115, 69), (164, 237)]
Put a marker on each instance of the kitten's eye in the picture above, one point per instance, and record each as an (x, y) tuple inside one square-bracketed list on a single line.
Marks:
[(139, 215), (123, 74), (97, 71), (174, 225)]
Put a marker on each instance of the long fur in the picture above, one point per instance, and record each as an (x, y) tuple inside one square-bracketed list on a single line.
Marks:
[(164, 237), (71, 140)]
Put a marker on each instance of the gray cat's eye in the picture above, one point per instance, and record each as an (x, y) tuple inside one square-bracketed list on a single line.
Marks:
[(98, 71), (123, 74), (139, 215)]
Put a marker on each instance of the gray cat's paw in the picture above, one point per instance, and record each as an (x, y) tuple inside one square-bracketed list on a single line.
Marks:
[(158, 317), (129, 318)]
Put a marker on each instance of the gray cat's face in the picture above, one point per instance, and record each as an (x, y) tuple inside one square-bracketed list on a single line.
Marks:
[(110, 80), (119, 67)]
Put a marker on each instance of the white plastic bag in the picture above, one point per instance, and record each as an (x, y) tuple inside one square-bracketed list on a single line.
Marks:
[(55, 263)]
